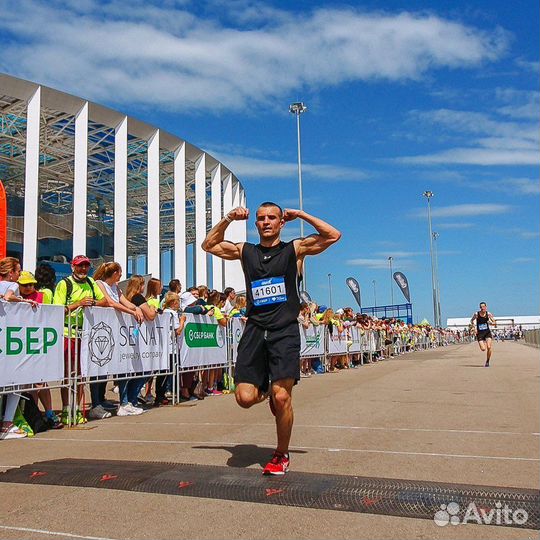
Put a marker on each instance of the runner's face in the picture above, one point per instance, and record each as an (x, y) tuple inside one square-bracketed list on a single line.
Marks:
[(269, 222), (483, 308)]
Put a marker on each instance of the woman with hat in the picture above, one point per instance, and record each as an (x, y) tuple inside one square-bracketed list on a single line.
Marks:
[(27, 288)]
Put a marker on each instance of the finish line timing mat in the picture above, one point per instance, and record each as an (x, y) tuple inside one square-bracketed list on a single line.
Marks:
[(385, 496)]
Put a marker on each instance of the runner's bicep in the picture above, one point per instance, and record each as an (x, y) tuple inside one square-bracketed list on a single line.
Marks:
[(227, 250)]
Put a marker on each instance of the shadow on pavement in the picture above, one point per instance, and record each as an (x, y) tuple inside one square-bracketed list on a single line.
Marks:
[(245, 455), (473, 365)]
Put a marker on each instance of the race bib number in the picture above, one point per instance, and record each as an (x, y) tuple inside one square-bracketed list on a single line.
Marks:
[(483, 326), (268, 291)]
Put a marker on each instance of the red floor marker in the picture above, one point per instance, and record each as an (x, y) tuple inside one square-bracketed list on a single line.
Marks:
[(270, 491), (184, 484), (37, 473), (106, 477)]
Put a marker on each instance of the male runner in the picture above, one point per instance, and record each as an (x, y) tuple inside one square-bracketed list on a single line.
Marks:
[(483, 332), (270, 345)]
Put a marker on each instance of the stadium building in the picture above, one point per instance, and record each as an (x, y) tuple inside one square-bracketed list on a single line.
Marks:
[(83, 178)]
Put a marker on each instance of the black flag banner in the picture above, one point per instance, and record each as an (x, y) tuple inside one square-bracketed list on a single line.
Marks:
[(403, 284), (355, 289)]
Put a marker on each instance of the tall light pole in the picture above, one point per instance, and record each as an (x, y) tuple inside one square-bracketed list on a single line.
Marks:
[(374, 292), (297, 109), (437, 287), (330, 290), (428, 195), (391, 281)]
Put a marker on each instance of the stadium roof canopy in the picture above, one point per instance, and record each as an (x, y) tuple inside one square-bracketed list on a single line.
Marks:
[(58, 113)]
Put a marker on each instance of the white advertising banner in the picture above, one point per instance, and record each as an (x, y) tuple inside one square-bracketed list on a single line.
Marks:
[(356, 338), (203, 342), (114, 344), (31, 343), (237, 329), (337, 343), (312, 341)]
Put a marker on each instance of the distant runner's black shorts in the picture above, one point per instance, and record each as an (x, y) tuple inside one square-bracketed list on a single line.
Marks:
[(265, 355), (483, 335)]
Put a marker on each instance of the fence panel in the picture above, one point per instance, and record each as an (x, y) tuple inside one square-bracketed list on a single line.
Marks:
[(112, 343), (312, 341), (31, 344), (203, 343)]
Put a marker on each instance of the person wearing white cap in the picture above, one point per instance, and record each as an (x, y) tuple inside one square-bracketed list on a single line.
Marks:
[(188, 304)]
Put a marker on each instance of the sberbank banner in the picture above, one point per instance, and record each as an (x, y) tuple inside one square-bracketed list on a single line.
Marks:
[(203, 342), (237, 329), (312, 341), (31, 343)]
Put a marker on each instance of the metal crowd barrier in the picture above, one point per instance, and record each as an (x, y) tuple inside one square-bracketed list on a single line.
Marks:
[(532, 337), (368, 345)]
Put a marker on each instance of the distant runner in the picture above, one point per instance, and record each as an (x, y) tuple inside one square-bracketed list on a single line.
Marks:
[(483, 333), (269, 349)]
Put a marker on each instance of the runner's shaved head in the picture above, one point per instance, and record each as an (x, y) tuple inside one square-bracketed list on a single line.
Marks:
[(269, 203)]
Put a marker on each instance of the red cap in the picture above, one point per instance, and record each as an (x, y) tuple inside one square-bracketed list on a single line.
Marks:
[(80, 259)]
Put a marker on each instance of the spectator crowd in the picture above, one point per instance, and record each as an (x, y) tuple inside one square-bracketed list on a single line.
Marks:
[(132, 395)]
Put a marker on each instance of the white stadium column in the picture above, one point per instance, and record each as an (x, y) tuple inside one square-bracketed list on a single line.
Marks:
[(180, 267), (153, 214), (243, 203), (227, 207), (201, 277), (31, 183), (80, 181), (236, 274), (120, 194), (217, 263)]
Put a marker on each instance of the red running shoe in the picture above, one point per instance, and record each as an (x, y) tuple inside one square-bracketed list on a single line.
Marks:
[(278, 465)]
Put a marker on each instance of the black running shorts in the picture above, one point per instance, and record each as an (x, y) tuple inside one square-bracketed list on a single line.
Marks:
[(265, 355), (482, 335)]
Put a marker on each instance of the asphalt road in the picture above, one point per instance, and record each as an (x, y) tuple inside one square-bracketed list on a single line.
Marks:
[(435, 415)]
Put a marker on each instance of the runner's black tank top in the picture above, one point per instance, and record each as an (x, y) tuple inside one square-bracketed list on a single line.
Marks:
[(272, 283), (482, 323)]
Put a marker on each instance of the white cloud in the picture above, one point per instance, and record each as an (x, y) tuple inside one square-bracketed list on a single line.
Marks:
[(519, 103), (533, 67), (522, 186), (377, 264), (488, 140), (168, 57), (529, 234), (250, 167), (477, 156), (458, 225), (400, 254), (463, 210)]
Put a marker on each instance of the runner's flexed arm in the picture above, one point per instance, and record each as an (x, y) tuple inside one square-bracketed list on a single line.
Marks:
[(215, 242), (472, 324), (315, 243)]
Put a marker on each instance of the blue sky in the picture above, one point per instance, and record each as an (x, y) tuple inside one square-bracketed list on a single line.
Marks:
[(403, 97)]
